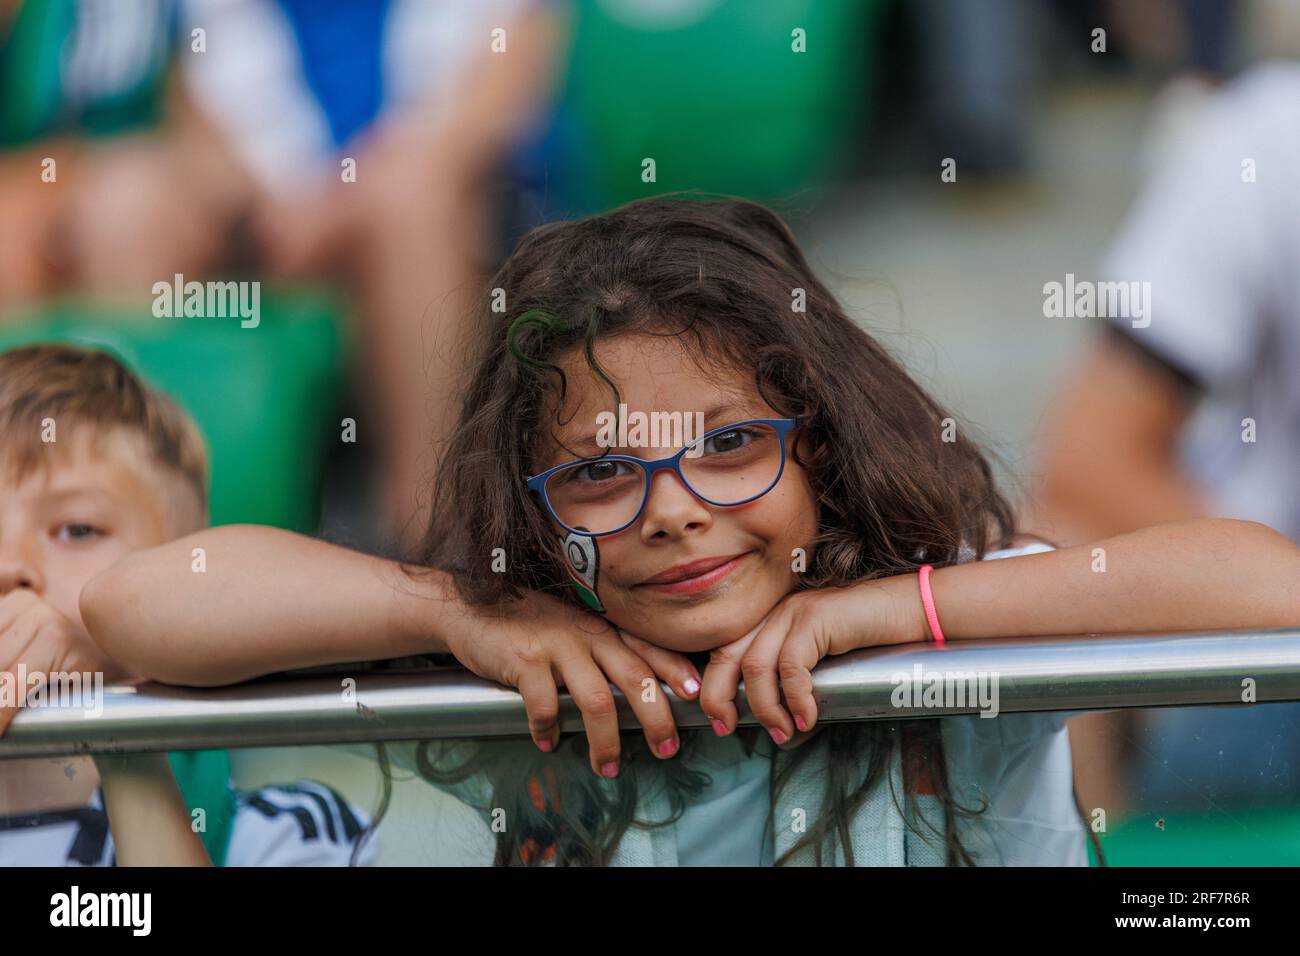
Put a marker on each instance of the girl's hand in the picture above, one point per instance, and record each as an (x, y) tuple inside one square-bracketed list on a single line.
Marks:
[(540, 644), (778, 655)]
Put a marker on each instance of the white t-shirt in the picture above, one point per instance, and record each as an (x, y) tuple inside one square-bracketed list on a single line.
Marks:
[(258, 83), (1223, 258), (303, 824)]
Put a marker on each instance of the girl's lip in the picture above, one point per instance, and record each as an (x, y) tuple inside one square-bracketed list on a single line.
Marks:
[(701, 582)]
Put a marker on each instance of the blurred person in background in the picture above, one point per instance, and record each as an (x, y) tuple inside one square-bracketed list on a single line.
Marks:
[(108, 180), (368, 131), (353, 142), (1194, 411), (975, 81)]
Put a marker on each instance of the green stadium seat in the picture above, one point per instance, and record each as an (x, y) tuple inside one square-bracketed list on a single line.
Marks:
[(721, 103), (266, 398)]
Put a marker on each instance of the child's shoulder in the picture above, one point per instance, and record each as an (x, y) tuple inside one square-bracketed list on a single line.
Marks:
[(1021, 544), (306, 823)]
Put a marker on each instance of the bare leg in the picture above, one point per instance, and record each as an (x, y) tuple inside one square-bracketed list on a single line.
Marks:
[(419, 275)]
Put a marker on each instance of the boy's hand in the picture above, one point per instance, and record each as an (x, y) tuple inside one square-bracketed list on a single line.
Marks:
[(540, 644), (34, 634), (778, 655)]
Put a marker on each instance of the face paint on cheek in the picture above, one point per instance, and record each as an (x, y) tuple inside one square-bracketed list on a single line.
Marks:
[(582, 557)]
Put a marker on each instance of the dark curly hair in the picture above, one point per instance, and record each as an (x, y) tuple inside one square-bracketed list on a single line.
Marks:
[(892, 494)]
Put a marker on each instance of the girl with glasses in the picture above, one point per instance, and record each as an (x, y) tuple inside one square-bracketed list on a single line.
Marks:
[(806, 521)]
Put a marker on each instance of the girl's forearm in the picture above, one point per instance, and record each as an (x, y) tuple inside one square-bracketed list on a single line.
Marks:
[(256, 600), (1205, 574), (150, 822)]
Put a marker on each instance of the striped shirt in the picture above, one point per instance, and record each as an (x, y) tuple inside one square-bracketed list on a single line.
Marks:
[(301, 824)]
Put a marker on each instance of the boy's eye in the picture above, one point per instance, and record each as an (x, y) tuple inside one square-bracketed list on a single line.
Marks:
[(75, 531)]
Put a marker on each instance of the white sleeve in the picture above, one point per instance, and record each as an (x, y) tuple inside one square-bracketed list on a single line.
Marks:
[(1215, 246), (1036, 547), (302, 824), (250, 83), (429, 47)]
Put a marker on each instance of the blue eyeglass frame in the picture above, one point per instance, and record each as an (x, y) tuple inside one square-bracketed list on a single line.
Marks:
[(782, 427)]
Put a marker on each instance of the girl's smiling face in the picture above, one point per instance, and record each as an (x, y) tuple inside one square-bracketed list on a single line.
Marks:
[(757, 541)]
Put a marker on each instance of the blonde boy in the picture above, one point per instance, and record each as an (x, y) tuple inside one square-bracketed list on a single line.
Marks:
[(93, 466)]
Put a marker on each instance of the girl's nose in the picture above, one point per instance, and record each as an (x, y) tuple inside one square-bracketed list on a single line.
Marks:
[(671, 509)]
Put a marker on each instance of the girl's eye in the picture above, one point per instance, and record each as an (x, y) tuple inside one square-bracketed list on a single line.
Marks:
[(600, 470), (730, 440), (78, 532)]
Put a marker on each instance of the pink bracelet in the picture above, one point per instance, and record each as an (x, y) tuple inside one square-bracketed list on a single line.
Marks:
[(927, 600)]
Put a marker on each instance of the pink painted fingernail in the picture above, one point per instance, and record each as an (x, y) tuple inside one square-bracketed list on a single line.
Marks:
[(801, 724), (692, 686), (778, 735), (610, 769), (668, 748), (719, 728), (544, 746)]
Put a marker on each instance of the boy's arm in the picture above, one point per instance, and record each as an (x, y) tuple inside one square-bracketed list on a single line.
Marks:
[(231, 603), (150, 822), (1206, 574)]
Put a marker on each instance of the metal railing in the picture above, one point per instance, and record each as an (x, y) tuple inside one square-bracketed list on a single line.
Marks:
[(1032, 674)]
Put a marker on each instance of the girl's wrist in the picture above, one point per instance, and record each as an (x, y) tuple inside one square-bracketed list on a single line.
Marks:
[(903, 612), (426, 613), (913, 624)]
